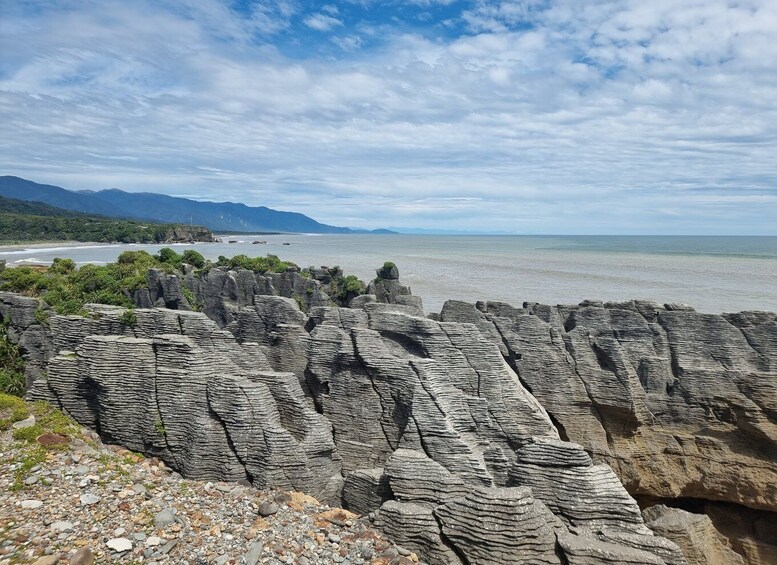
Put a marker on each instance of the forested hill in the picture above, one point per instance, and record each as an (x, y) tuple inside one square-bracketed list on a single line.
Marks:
[(221, 216), (34, 221)]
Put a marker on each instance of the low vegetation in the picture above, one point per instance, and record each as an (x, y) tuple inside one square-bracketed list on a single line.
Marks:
[(260, 265), (48, 420), (11, 366), (347, 287), (32, 221), (65, 288)]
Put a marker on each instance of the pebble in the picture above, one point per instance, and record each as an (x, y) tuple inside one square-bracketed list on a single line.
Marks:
[(62, 526), (47, 560), (119, 545), (89, 499), (31, 504), (154, 541), (31, 480), (164, 517), (83, 556), (253, 554), (267, 508), (26, 423)]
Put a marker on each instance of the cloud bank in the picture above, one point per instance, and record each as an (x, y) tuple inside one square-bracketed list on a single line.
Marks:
[(521, 116)]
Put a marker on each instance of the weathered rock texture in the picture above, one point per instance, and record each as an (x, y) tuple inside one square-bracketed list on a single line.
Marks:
[(682, 405), (491, 435), (177, 386), (694, 533)]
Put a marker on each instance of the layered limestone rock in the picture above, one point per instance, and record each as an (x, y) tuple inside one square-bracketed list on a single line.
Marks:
[(20, 316), (694, 533), (221, 293), (680, 404), (387, 289), (175, 385), (483, 436)]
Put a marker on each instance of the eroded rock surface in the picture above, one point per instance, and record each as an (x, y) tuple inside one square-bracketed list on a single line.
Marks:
[(680, 404), (694, 533), (492, 434)]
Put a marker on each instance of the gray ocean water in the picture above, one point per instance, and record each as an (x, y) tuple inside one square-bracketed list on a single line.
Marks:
[(712, 274)]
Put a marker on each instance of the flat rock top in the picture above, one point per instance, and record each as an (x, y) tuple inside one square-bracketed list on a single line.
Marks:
[(88, 497)]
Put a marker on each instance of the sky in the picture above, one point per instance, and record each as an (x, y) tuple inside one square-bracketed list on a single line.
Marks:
[(518, 116)]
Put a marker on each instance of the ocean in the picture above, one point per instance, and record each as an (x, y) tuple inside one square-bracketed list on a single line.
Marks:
[(712, 274)]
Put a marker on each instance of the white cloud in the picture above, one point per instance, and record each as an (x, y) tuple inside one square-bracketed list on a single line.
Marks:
[(550, 116), (322, 22)]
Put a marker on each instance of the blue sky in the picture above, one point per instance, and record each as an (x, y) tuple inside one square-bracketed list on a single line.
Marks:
[(517, 116)]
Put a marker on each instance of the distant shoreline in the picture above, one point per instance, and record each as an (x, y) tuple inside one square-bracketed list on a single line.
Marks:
[(21, 246)]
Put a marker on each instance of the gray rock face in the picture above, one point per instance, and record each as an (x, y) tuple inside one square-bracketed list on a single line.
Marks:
[(694, 533), (34, 339), (680, 404), (387, 289), (177, 386), (454, 431)]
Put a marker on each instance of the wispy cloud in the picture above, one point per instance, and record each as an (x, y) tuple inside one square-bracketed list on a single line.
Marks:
[(322, 22), (527, 116)]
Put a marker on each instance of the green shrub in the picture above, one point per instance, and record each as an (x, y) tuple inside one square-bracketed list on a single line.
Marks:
[(345, 288), (261, 265), (190, 298), (11, 366), (191, 257), (128, 318), (62, 266), (167, 255)]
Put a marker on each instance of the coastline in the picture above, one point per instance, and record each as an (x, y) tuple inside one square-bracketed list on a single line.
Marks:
[(6, 246), (500, 269)]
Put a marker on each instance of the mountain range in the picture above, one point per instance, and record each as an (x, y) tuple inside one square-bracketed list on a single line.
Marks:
[(217, 216)]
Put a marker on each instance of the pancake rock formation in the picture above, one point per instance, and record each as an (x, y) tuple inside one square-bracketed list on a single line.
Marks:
[(682, 405), (486, 434)]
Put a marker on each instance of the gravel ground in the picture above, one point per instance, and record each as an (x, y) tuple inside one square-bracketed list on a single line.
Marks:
[(85, 502)]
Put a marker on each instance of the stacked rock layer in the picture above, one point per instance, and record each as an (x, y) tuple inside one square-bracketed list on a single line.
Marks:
[(488, 435)]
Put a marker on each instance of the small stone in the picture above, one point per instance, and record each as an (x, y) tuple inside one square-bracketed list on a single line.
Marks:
[(254, 552), (140, 536), (119, 545), (153, 541), (62, 526), (164, 517), (139, 489), (118, 532), (89, 499), (402, 551), (333, 538), (83, 556), (168, 547), (31, 504), (81, 470), (31, 480), (47, 559), (26, 423), (267, 508)]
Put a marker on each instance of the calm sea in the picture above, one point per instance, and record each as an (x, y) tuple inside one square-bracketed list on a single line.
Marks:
[(713, 274)]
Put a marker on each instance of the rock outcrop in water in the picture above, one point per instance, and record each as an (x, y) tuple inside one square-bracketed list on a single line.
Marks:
[(494, 434)]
